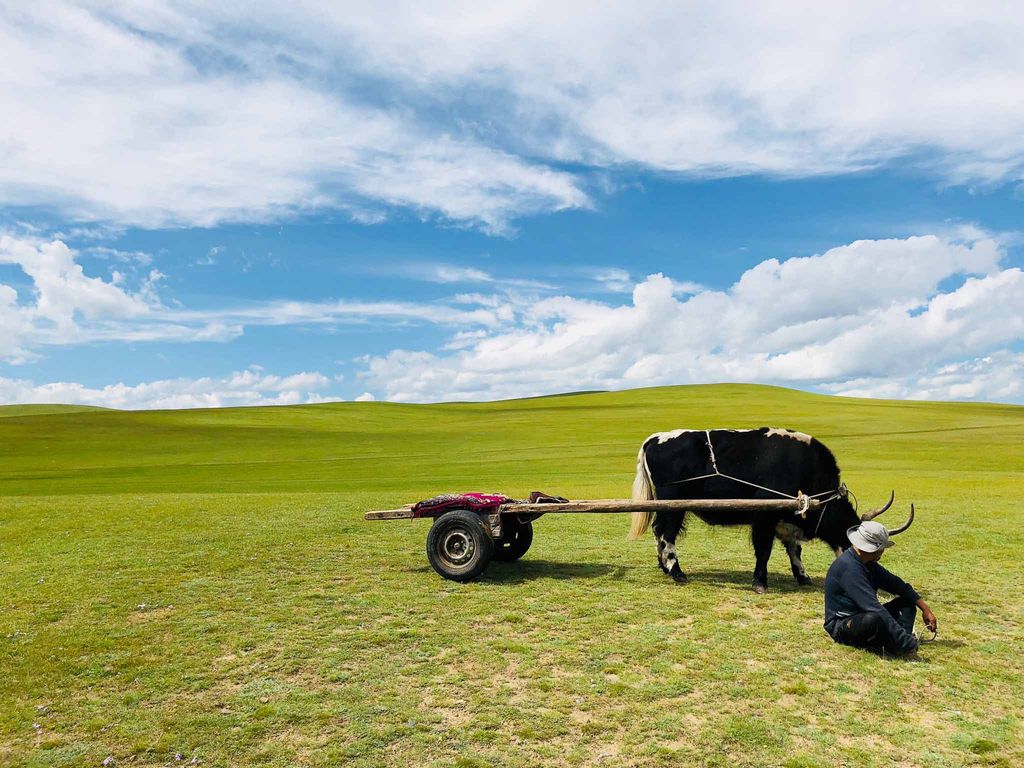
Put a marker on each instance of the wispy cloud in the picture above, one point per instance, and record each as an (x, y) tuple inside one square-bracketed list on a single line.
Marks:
[(444, 273), (250, 387), (140, 258), (209, 258), (614, 280), (117, 119), (453, 275)]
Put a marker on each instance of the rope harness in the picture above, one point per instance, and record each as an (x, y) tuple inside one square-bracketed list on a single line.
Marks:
[(805, 499)]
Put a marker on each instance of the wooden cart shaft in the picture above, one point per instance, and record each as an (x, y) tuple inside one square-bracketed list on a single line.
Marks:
[(605, 506)]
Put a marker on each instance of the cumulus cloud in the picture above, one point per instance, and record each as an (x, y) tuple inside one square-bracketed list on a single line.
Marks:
[(175, 113), (857, 318), (250, 387), (64, 297), (63, 290)]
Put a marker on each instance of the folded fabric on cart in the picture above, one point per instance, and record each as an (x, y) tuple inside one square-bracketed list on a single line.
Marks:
[(477, 502)]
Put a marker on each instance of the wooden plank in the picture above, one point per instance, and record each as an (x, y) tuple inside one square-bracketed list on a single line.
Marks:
[(609, 506), (389, 514), (606, 506)]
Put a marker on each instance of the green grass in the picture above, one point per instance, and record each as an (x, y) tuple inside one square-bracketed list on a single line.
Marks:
[(201, 583)]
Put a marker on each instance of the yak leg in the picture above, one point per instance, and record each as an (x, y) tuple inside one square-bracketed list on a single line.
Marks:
[(667, 527), (794, 550), (763, 537)]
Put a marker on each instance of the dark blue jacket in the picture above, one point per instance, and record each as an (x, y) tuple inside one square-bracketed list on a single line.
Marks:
[(850, 588)]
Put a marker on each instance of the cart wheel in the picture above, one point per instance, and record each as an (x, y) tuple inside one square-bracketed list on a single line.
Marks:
[(459, 546), (516, 538)]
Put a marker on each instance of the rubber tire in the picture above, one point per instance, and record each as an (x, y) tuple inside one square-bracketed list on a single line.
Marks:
[(469, 530), (515, 540)]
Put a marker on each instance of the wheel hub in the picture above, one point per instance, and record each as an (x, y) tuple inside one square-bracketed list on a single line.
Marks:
[(457, 547)]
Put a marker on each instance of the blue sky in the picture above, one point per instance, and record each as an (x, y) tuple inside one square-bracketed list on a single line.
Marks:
[(200, 208)]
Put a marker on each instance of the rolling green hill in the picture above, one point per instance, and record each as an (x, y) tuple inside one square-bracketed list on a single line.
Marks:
[(45, 410), (585, 442), (201, 582)]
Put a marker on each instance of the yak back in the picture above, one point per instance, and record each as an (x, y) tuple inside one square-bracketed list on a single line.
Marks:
[(782, 460)]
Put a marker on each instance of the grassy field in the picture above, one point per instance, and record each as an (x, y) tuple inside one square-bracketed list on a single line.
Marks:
[(200, 585)]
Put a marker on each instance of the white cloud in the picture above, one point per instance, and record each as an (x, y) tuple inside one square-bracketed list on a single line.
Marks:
[(454, 274), (251, 387), (61, 286), (929, 316), (64, 298), (68, 307), (446, 273), (170, 113), (140, 258), (860, 316), (155, 117), (614, 280), (791, 87), (210, 257), (999, 377)]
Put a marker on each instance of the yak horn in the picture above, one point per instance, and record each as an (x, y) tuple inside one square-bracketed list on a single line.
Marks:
[(906, 525), (872, 515)]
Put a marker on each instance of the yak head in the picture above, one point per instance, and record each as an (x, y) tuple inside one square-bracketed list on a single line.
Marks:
[(839, 515)]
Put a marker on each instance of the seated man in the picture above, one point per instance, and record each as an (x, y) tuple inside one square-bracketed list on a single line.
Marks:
[(853, 615)]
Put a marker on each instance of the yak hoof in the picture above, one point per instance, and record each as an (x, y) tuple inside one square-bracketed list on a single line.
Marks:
[(805, 581), (679, 577), (760, 588)]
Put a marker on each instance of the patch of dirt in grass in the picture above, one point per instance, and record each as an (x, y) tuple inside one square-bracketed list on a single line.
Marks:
[(455, 717), (302, 742), (510, 678), (866, 742), (142, 615), (580, 716), (687, 731), (608, 750), (561, 674)]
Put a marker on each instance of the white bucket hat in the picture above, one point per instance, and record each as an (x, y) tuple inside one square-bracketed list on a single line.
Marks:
[(870, 536)]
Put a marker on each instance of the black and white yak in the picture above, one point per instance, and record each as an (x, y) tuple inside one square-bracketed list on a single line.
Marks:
[(779, 460)]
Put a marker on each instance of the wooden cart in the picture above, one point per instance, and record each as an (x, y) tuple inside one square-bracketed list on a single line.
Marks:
[(462, 543)]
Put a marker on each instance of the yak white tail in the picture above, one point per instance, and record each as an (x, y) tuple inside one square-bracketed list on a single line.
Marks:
[(643, 490)]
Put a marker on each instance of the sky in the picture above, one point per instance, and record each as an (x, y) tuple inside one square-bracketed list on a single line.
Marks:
[(243, 205)]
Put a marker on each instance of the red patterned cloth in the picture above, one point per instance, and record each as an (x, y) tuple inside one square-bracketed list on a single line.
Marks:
[(477, 502)]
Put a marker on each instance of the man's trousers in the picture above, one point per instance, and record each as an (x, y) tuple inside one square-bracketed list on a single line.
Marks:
[(872, 631)]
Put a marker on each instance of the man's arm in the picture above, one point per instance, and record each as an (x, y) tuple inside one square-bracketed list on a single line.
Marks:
[(894, 585)]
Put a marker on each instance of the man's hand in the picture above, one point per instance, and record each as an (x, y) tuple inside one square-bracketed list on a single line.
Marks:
[(929, 618)]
